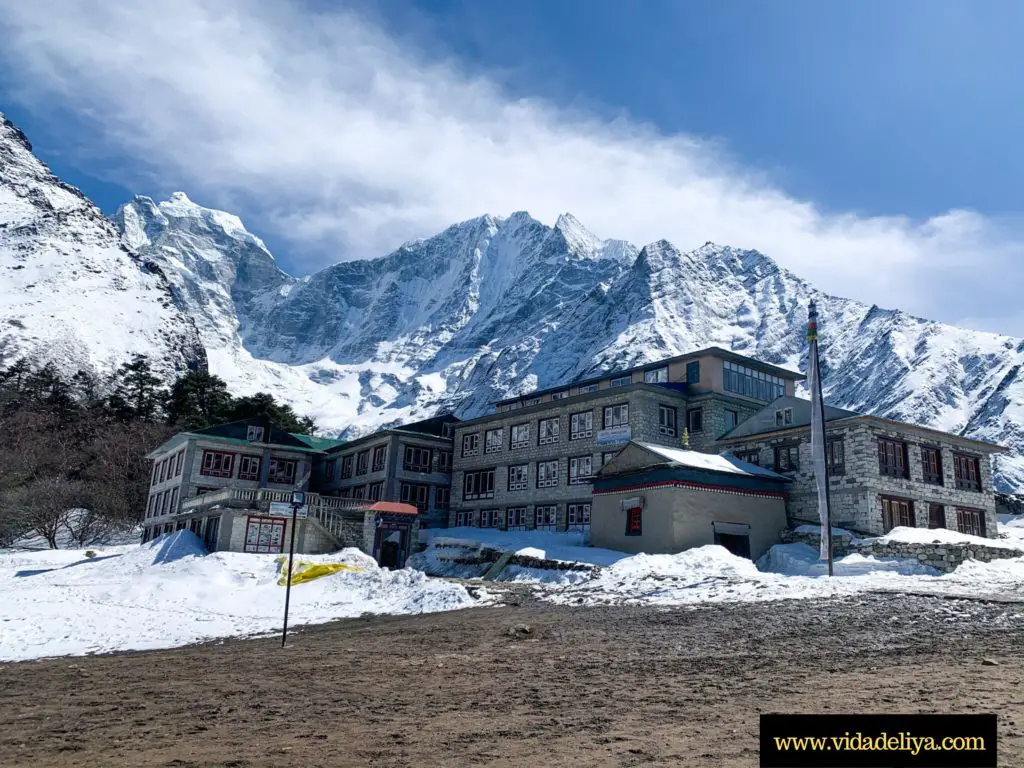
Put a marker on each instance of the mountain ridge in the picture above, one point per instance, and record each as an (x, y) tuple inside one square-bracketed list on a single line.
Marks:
[(500, 305)]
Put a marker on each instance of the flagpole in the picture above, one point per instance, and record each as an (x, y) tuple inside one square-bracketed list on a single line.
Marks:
[(812, 337)]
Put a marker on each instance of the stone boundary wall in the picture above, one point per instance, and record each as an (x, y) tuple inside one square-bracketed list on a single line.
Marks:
[(488, 555), (941, 556)]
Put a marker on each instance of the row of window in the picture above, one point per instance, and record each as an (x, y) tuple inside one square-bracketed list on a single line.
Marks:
[(163, 503), (900, 512), (480, 484), (893, 460), (410, 493), (222, 464), (651, 376), (414, 459), (581, 427), (207, 529), (542, 517), (168, 468), (787, 457), (751, 383)]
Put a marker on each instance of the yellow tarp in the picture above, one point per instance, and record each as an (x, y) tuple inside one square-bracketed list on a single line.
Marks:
[(303, 571)]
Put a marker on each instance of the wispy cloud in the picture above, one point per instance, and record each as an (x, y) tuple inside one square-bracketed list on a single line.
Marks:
[(320, 128)]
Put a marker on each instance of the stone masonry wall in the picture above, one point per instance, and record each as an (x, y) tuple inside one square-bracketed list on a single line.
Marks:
[(941, 556), (855, 495)]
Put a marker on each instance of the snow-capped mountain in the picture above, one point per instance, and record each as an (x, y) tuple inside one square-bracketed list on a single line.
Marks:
[(68, 287), (492, 307)]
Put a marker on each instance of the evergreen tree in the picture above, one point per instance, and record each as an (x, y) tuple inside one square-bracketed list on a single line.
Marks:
[(280, 414), (47, 392), (136, 391), (198, 399)]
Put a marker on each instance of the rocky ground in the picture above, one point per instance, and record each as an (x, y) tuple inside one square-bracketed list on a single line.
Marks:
[(526, 684)]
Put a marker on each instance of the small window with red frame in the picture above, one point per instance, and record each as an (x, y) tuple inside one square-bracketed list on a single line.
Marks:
[(634, 521)]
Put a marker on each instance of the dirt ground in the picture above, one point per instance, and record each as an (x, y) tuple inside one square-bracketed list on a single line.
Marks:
[(615, 686)]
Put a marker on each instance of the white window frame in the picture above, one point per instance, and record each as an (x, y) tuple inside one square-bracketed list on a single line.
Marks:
[(478, 475), (621, 381), (560, 395), (519, 484), (586, 389), (578, 463), (254, 433), (471, 444), (522, 441), (552, 426), (515, 517), (547, 473), (490, 518), (588, 425), (783, 417), (549, 513), (494, 440), (578, 515), (620, 409)]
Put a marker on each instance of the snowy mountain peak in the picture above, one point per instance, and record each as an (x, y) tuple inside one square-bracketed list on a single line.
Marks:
[(72, 295), (486, 308)]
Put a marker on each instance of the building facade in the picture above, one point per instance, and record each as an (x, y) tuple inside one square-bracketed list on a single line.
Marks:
[(531, 463), (410, 464), (664, 500), (882, 473), (249, 455)]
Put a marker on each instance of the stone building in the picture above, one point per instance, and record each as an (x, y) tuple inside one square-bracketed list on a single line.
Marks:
[(882, 473), (654, 499), (531, 463), (233, 485), (411, 464)]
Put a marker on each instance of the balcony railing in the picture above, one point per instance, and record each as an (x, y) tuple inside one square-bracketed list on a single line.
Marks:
[(244, 497)]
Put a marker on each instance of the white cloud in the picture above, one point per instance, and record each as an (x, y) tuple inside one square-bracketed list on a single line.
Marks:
[(326, 132)]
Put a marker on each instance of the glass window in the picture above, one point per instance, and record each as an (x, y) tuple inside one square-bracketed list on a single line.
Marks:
[(693, 372), (620, 381), (616, 415), (547, 473), (667, 420), (587, 388), (581, 425), (520, 436), (695, 420), (517, 477), (656, 375), (493, 439), (580, 469), (547, 431), (471, 444)]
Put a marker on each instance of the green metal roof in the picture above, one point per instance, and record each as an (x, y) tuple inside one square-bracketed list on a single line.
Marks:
[(318, 443)]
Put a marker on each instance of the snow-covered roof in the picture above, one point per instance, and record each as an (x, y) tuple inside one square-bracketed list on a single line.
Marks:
[(709, 461)]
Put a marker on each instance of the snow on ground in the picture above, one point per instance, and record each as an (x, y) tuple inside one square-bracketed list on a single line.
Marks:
[(570, 546), (944, 536), (169, 592), (711, 573)]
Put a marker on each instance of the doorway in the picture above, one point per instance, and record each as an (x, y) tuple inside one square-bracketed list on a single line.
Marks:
[(738, 544), (391, 545)]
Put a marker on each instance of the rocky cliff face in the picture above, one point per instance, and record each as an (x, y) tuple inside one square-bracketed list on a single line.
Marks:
[(71, 292), (488, 308)]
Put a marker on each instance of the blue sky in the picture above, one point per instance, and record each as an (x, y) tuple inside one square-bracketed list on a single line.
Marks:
[(859, 144)]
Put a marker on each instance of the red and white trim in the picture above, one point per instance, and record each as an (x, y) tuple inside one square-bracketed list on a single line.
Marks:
[(692, 486)]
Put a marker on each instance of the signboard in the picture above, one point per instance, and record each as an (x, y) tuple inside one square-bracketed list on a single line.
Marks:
[(614, 435), (284, 509)]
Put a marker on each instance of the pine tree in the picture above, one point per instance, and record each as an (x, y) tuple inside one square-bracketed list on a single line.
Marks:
[(198, 399), (136, 391), (280, 414)]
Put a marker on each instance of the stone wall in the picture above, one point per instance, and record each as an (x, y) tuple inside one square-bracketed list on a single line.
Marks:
[(643, 403), (855, 493), (943, 557)]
